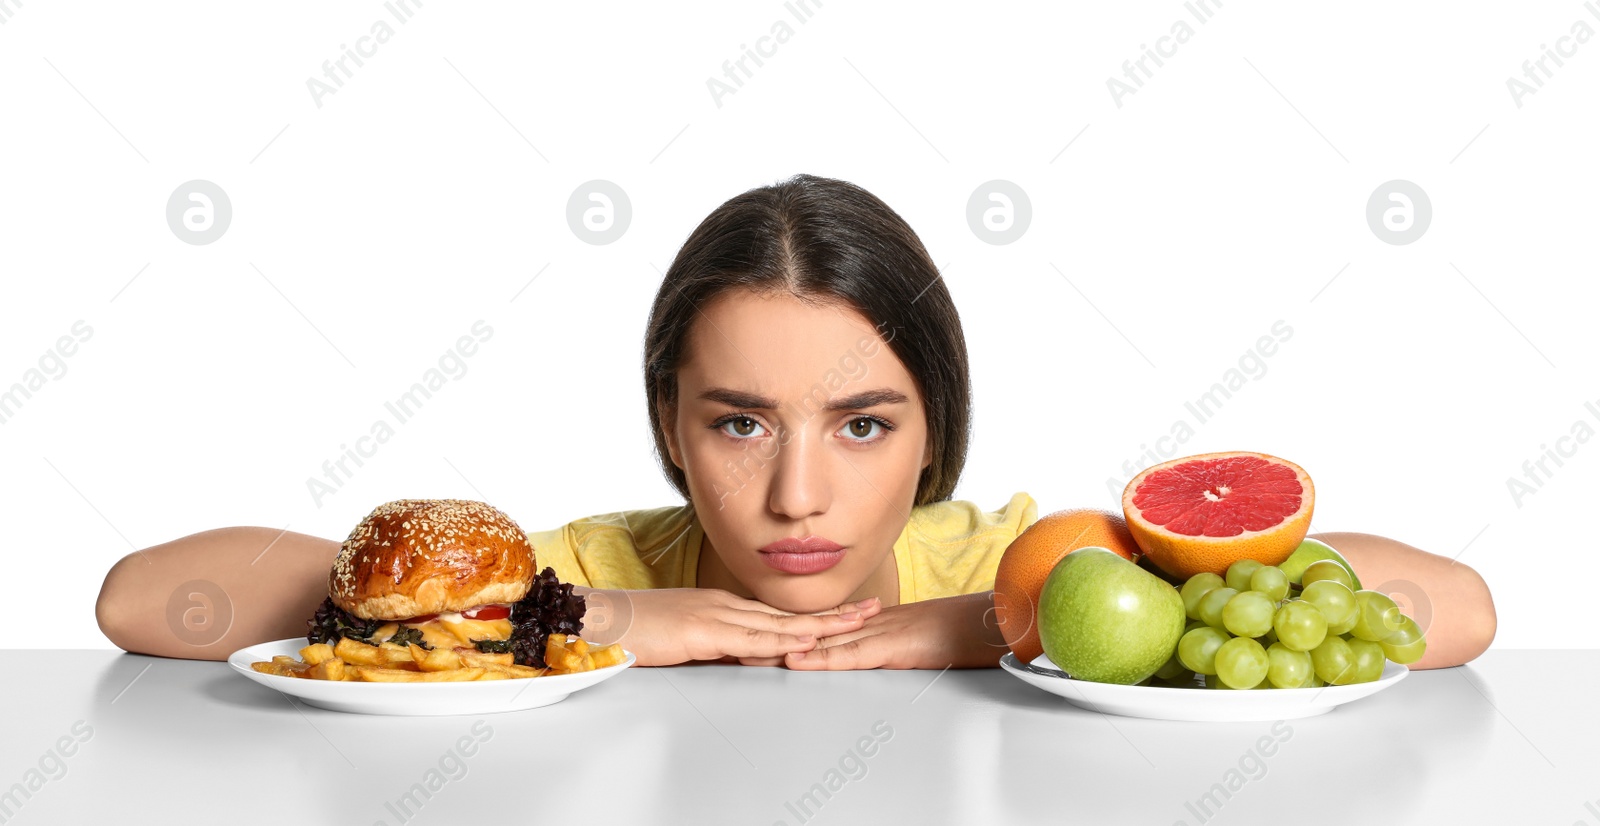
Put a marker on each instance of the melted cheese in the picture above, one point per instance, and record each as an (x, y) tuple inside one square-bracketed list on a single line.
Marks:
[(468, 630), (444, 632)]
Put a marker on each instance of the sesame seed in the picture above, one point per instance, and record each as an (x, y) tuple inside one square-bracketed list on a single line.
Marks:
[(426, 527)]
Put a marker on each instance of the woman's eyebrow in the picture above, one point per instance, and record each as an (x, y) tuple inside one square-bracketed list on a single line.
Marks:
[(855, 401)]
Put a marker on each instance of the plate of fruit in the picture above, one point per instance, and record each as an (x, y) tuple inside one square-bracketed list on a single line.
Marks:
[(1203, 601), (1192, 701)]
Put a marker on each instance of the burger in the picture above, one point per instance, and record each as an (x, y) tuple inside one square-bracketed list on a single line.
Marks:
[(444, 573)]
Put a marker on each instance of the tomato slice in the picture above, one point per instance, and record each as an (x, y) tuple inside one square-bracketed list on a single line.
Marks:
[(482, 612)]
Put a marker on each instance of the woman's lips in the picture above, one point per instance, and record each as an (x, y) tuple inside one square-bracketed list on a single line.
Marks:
[(802, 556)]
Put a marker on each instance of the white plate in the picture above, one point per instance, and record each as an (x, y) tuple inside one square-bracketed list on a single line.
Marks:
[(1199, 703), (417, 699)]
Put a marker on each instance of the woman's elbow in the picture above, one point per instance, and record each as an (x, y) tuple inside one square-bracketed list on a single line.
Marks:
[(111, 610), (1469, 628), (1482, 624)]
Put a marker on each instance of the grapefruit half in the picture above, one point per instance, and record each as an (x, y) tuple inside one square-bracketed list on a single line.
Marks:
[(1203, 513), (1029, 559)]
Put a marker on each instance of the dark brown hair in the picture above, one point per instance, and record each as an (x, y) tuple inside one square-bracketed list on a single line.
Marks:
[(822, 240)]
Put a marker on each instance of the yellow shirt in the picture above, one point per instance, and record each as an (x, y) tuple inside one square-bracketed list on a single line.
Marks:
[(946, 549)]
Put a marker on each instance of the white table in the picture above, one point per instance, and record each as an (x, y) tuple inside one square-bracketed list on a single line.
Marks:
[(1508, 739)]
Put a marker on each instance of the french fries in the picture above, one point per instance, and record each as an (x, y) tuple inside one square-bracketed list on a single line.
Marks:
[(568, 654), (606, 656), (317, 654), (438, 659), (359, 653), (474, 657), (352, 661), (378, 674), (327, 670)]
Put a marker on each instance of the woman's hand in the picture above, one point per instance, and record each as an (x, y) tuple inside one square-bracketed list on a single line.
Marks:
[(668, 626), (953, 632)]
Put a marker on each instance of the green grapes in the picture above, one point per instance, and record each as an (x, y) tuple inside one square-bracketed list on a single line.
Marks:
[(1337, 603), (1213, 681), (1270, 580), (1198, 586), (1334, 662), (1327, 570), (1288, 668), (1241, 663), (1369, 660), (1211, 605), (1247, 614), (1300, 625), (1245, 631), (1406, 645), (1197, 650), (1343, 628), (1239, 574), (1379, 618)]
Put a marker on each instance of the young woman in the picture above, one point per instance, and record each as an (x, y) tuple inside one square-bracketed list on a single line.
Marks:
[(807, 383)]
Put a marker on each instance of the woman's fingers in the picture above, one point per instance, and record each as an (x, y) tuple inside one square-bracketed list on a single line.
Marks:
[(729, 659), (866, 607), (745, 642), (757, 634), (796, 625), (754, 633), (842, 657)]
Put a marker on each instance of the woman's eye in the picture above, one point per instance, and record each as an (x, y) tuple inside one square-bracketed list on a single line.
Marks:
[(862, 429), (742, 427)]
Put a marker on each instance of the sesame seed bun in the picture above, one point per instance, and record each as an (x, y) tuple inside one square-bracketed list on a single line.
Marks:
[(412, 557)]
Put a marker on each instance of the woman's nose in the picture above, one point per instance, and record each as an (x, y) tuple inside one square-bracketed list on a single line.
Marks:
[(801, 486)]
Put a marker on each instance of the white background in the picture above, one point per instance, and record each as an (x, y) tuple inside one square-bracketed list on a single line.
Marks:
[(371, 232)]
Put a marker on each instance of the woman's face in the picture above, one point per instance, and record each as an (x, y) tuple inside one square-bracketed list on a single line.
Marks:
[(793, 421)]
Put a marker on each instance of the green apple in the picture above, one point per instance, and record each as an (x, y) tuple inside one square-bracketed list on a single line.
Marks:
[(1313, 550), (1106, 620)]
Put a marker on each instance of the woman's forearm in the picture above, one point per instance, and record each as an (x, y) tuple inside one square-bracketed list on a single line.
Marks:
[(1460, 617), (607, 615), (989, 643), (209, 594), (968, 635)]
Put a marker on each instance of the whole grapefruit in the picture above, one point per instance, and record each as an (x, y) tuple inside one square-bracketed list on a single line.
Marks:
[(1028, 560), (1203, 513)]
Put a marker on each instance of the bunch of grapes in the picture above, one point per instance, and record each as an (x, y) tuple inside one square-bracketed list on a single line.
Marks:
[(1249, 631)]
